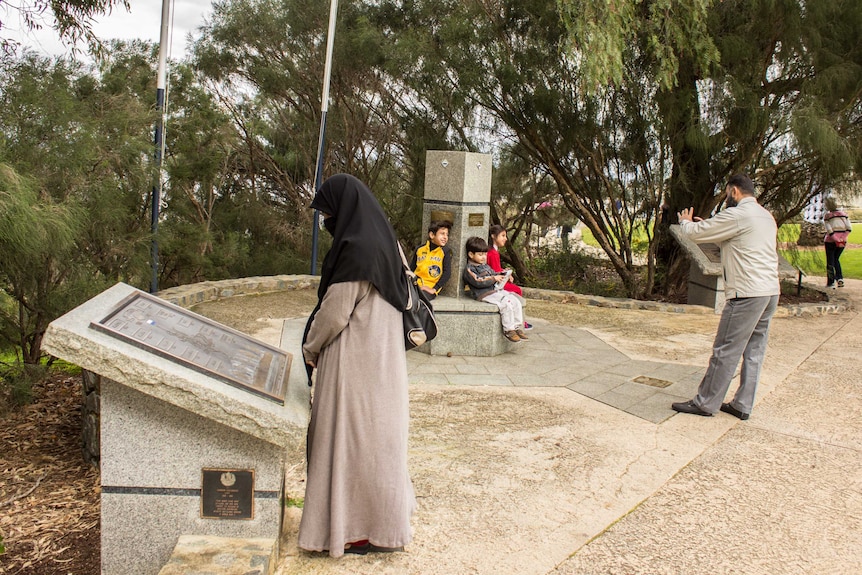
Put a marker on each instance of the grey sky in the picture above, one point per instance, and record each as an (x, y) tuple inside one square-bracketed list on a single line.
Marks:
[(143, 21)]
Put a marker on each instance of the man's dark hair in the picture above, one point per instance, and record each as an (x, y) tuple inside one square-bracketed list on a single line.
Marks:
[(476, 245), (438, 225), (743, 183)]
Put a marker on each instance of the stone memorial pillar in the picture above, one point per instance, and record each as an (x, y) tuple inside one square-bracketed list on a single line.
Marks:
[(457, 189)]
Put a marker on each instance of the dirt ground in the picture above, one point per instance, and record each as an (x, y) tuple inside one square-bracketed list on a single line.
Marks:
[(49, 498)]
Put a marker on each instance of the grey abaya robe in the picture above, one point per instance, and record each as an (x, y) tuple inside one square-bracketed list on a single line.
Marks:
[(358, 486)]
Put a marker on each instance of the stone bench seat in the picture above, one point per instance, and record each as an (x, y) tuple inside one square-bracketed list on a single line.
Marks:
[(466, 327)]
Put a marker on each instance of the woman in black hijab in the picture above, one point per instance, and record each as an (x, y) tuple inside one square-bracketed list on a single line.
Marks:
[(358, 493)]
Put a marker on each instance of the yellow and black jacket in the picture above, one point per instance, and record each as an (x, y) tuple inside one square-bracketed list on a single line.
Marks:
[(432, 265)]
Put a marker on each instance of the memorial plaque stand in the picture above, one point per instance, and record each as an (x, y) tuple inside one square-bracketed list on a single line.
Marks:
[(197, 421)]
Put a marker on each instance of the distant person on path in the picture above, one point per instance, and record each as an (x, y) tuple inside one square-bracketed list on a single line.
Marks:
[(432, 261), (499, 237), (482, 282), (838, 228), (358, 496), (746, 233)]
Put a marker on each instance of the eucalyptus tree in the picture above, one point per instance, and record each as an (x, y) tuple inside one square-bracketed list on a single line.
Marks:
[(505, 61), (75, 151), (769, 87), (637, 109), (264, 61)]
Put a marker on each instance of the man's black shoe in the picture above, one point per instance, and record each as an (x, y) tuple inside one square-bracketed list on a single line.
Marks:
[(689, 407), (727, 408)]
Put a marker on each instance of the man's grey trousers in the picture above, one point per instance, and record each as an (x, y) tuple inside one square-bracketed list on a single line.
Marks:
[(742, 332)]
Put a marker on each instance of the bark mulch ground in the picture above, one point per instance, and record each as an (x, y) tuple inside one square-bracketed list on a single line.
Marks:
[(49, 497)]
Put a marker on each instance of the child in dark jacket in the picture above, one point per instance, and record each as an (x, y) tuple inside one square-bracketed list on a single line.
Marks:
[(482, 280)]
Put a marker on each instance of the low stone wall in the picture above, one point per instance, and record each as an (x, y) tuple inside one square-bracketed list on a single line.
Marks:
[(189, 295), (192, 294), (837, 303), (91, 413)]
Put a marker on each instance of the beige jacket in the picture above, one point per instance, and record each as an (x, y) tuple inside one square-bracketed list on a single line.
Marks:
[(746, 234)]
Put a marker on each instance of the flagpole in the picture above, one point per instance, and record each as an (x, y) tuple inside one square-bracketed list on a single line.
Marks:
[(321, 142), (159, 142)]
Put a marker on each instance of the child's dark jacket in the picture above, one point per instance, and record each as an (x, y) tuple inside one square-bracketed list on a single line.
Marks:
[(480, 278)]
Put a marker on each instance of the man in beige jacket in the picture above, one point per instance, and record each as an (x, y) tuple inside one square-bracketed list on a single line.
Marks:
[(746, 233)]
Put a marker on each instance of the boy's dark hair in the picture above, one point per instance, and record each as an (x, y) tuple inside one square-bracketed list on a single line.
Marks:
[(476, 245), (495, 230), (743, 183), (438, 225)]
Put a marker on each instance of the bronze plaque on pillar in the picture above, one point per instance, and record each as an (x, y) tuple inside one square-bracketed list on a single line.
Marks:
[(227, 494), (194, 341), (476, 220), (442, 216)]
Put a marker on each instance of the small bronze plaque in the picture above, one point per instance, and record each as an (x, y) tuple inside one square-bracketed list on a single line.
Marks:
[(197, 342), (476, 220), (652, 381), (227, 494), (442, 216)]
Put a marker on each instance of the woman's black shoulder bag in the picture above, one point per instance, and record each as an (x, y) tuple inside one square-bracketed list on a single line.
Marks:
[(419, 322)]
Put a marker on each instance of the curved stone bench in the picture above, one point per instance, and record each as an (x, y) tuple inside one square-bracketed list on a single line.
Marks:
[(466, 327)]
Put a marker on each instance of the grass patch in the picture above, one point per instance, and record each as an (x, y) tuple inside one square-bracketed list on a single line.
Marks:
[(810, 261), (640, 240), (788, 233), (813, 262), (297, 502)]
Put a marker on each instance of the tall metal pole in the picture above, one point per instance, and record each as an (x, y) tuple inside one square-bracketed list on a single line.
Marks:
[(159, 141), (321, 142)]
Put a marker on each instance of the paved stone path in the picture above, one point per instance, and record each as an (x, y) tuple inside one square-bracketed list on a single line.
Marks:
[(575, 359)]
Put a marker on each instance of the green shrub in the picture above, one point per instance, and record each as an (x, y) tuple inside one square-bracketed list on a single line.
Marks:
[(16, 383), (575, 271)]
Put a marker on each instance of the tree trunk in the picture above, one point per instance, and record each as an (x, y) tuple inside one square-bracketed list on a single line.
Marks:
[(691, 183)]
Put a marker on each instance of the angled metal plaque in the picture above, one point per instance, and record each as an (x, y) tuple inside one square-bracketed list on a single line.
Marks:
[(199, 343)]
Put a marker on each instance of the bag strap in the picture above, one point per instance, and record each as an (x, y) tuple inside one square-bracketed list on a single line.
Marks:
[(407, 269)]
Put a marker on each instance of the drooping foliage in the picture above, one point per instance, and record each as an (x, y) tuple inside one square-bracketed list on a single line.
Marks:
[(72, 19)]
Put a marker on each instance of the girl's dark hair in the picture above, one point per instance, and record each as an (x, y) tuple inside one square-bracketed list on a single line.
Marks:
[(476, 245), (495, 230)]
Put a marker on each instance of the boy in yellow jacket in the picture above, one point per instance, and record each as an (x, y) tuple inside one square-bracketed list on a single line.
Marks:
[(432, 261)]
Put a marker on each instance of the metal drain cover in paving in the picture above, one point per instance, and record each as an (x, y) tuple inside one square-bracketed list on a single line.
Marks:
[(651, 381)]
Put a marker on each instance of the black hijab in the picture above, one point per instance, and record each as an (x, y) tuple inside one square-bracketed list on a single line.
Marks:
[(363, 242)]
